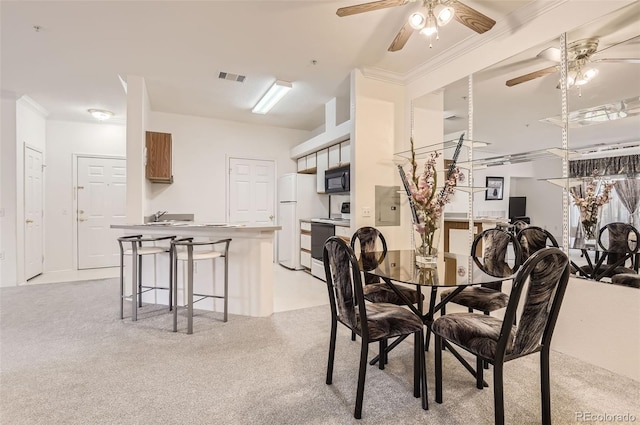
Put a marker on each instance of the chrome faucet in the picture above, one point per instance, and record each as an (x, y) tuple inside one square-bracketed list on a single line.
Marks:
[(156, 216)]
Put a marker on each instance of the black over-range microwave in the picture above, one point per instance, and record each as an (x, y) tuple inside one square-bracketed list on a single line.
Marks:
[(336, 180)]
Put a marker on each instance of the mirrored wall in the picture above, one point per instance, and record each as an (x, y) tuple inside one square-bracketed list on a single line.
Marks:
[(516, 114)]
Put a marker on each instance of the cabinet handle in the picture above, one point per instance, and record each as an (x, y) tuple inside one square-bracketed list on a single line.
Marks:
[(28, 221), (82, 219)]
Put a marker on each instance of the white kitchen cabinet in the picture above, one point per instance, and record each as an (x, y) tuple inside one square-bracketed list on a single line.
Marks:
[(311, 161), (344, 233), (334, 156), (305, 244), (307, 164), (322, 163), (302, 164), (345, 152)]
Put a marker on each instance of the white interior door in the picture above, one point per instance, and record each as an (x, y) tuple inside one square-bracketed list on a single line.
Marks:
[(33, 238), (251, 191), (101, 188)]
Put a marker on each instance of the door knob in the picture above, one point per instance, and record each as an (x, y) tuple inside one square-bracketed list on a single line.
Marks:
[(271, 217), (81, 211)]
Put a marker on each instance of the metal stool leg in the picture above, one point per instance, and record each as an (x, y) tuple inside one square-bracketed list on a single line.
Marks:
[(190, 293), (226, 286)]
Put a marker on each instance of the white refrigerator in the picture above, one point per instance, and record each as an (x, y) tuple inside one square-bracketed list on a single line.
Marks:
[(297, 200)]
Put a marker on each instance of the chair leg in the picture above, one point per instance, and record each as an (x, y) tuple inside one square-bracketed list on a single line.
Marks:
[(170, 280), (134, 286), (174, 278), (121, 285), (383, 354), (545, 386), (353, 336), (438, 368), (332, 351), (190, 297), (417, 372), (364, 351), (423, 370), (498, 395), (140, 281), (479, 373), (226, 286)]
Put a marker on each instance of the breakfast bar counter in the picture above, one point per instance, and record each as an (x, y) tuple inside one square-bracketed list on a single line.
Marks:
[(250, 264)]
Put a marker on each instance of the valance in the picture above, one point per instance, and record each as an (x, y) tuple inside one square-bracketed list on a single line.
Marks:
[(629, 164)]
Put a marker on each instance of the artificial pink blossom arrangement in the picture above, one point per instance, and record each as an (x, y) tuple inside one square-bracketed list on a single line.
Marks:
[(591, 202), (428, 199)]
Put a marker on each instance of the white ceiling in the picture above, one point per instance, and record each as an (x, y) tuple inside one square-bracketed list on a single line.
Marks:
[(73, 61)]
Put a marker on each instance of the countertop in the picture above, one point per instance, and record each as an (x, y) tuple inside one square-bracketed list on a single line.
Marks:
[(334, 221), (195, 225)]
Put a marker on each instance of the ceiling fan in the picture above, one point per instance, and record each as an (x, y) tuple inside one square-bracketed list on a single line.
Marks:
[(579, 55), (432, 15)]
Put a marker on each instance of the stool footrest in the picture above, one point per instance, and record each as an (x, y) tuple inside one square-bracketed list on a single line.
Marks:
[(149, 288)]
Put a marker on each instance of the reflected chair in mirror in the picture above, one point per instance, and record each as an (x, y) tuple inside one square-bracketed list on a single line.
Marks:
[(139, 246), (621, 243), (544, 275), (373, 322), (374, 290), (183, 250), (533, 238), (489, 296)]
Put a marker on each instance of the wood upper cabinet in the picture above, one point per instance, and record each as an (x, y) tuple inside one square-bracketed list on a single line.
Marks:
[(158, 169)]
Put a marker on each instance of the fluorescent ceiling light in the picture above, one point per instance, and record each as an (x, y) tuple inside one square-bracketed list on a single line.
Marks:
[(271, 97), (100, 114)]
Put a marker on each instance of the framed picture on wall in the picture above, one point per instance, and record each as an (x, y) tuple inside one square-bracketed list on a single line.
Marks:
[(495, 187)]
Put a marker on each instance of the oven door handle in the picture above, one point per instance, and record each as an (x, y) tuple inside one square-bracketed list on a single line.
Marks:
[(343, 181)]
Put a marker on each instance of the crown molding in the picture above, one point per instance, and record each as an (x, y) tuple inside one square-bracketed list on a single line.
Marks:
[(34, 106)]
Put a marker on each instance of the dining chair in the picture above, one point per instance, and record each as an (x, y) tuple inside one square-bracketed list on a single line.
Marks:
[(373, 322), (489, 297), (533, 238), (620, 240), (374, 290), (545, 275)]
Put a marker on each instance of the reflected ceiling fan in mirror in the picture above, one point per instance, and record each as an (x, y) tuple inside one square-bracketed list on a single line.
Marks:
[(432, 15), (580, 55)]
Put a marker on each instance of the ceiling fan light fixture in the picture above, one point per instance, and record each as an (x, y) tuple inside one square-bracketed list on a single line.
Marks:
[(431, 27), (443, 14), (418, 19)]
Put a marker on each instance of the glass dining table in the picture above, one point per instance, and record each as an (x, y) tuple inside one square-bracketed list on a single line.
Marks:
[(595, 255), (451, 271)]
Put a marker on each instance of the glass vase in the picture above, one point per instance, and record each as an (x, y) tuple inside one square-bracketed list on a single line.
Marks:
[(426, 247)]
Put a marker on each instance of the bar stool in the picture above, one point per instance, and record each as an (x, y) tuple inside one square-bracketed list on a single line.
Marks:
[(137, 251), (188, 254)]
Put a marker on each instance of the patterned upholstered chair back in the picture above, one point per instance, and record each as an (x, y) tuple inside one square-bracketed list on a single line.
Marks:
[(493, 260), (344, 284), (371, 240), (533, 238), (547, 274), (619, 239)]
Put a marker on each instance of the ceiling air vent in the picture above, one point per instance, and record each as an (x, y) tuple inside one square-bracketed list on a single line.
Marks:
[(232, 77)]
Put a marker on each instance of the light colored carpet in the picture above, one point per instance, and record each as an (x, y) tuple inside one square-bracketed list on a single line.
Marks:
[(66, 358)]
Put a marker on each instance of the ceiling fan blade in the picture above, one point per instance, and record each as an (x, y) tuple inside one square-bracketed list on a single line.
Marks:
[(368, 7), (550, 54), (401, 38), (472, 18), (531, 76), (617, 44), (625, 60)]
